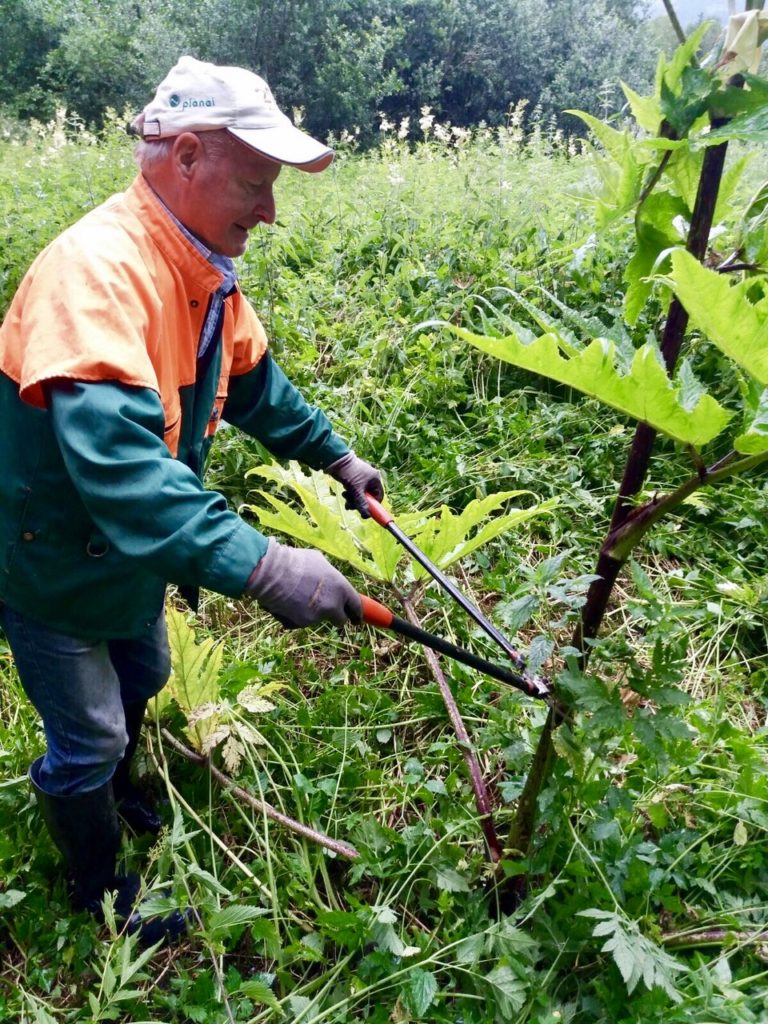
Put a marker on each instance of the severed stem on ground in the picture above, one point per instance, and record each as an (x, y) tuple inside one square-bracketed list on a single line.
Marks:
[(338, 846)]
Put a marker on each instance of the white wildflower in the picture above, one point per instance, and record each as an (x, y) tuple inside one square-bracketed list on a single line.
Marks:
[(443, 133), (460, 135), (426, 121)]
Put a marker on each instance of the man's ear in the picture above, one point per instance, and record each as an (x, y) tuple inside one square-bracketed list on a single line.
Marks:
[(187, 153)]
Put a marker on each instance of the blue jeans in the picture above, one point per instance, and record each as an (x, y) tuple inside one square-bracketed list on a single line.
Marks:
[(79, 688)]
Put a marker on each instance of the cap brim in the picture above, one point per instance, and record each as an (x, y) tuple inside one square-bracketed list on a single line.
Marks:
[(286, 145)]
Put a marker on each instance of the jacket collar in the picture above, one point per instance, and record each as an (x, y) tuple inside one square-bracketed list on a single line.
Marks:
[(179, 250)]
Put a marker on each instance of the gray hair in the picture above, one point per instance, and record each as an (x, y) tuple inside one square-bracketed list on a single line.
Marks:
[(217, 143), (148, 154)]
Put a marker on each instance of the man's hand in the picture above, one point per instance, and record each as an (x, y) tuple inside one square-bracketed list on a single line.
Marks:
[(358, 476), (300, 587)]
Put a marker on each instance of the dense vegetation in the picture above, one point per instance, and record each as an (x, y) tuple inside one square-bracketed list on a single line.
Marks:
[(645, 881), (648, 869), (343, 61)]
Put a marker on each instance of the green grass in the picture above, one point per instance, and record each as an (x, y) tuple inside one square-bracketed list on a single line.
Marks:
[(655, 817)]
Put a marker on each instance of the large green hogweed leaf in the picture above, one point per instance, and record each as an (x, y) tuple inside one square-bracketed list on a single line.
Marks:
[(655, 233), (194, 683), (646, 393), (733, 316), (326, 524)]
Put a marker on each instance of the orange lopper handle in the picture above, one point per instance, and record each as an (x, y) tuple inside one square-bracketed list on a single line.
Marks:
[(378, 513), (376, 614)]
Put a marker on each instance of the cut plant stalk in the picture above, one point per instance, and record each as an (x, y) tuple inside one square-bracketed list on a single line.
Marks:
[(479, 788), (536, 686), (377, 615), (337, 846)]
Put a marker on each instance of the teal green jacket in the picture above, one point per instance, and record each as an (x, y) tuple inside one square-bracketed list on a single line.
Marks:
[(96, 516), (106, 418)]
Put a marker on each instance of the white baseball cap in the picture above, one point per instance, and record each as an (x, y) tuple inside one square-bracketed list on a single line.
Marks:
[(196, 96)]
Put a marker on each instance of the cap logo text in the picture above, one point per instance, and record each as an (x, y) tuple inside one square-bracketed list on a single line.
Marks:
[(191, 102)]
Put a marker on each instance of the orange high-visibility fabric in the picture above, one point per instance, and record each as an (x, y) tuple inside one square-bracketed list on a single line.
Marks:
[(122, 296)]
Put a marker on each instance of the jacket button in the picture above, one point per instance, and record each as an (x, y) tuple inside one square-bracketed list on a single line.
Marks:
[(27, 535), (97, 548), (194, 303)]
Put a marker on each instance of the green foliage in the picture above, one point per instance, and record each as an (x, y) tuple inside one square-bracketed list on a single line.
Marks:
[(733, 316), (636, 957), (752, 237), (654, 226), (655, 814), (120, 976), (51, 179), (644, 392), (332, 528), (29, 31), (102, 60), (748, 110), (621, 175), (343, 63)]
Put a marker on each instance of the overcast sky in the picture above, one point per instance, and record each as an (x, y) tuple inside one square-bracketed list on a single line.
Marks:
[(689, 11)]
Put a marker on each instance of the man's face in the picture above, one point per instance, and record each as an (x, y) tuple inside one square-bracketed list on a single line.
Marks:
[(228, 193)]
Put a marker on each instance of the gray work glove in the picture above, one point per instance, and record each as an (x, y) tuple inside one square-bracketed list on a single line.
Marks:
[(358, 476), (300, 587)]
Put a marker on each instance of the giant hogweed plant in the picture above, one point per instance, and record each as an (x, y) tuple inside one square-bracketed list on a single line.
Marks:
[(194, 687), (446, 537), (666, 176)]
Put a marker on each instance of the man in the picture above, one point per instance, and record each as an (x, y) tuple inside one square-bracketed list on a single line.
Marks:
[(126, 344)]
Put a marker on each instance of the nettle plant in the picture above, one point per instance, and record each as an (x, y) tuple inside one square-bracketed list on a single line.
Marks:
[(665, 174)]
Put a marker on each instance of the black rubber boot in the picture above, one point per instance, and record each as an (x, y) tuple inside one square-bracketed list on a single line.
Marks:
[(86, 832), (134, 806)]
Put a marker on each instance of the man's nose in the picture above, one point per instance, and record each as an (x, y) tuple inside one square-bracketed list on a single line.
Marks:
[(265, 206)]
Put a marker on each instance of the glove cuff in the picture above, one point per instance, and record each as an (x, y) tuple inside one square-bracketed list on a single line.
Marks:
[(264, 571), (341, 464)]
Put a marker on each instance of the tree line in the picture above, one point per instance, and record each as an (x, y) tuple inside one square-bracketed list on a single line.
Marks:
[(343, 61)]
